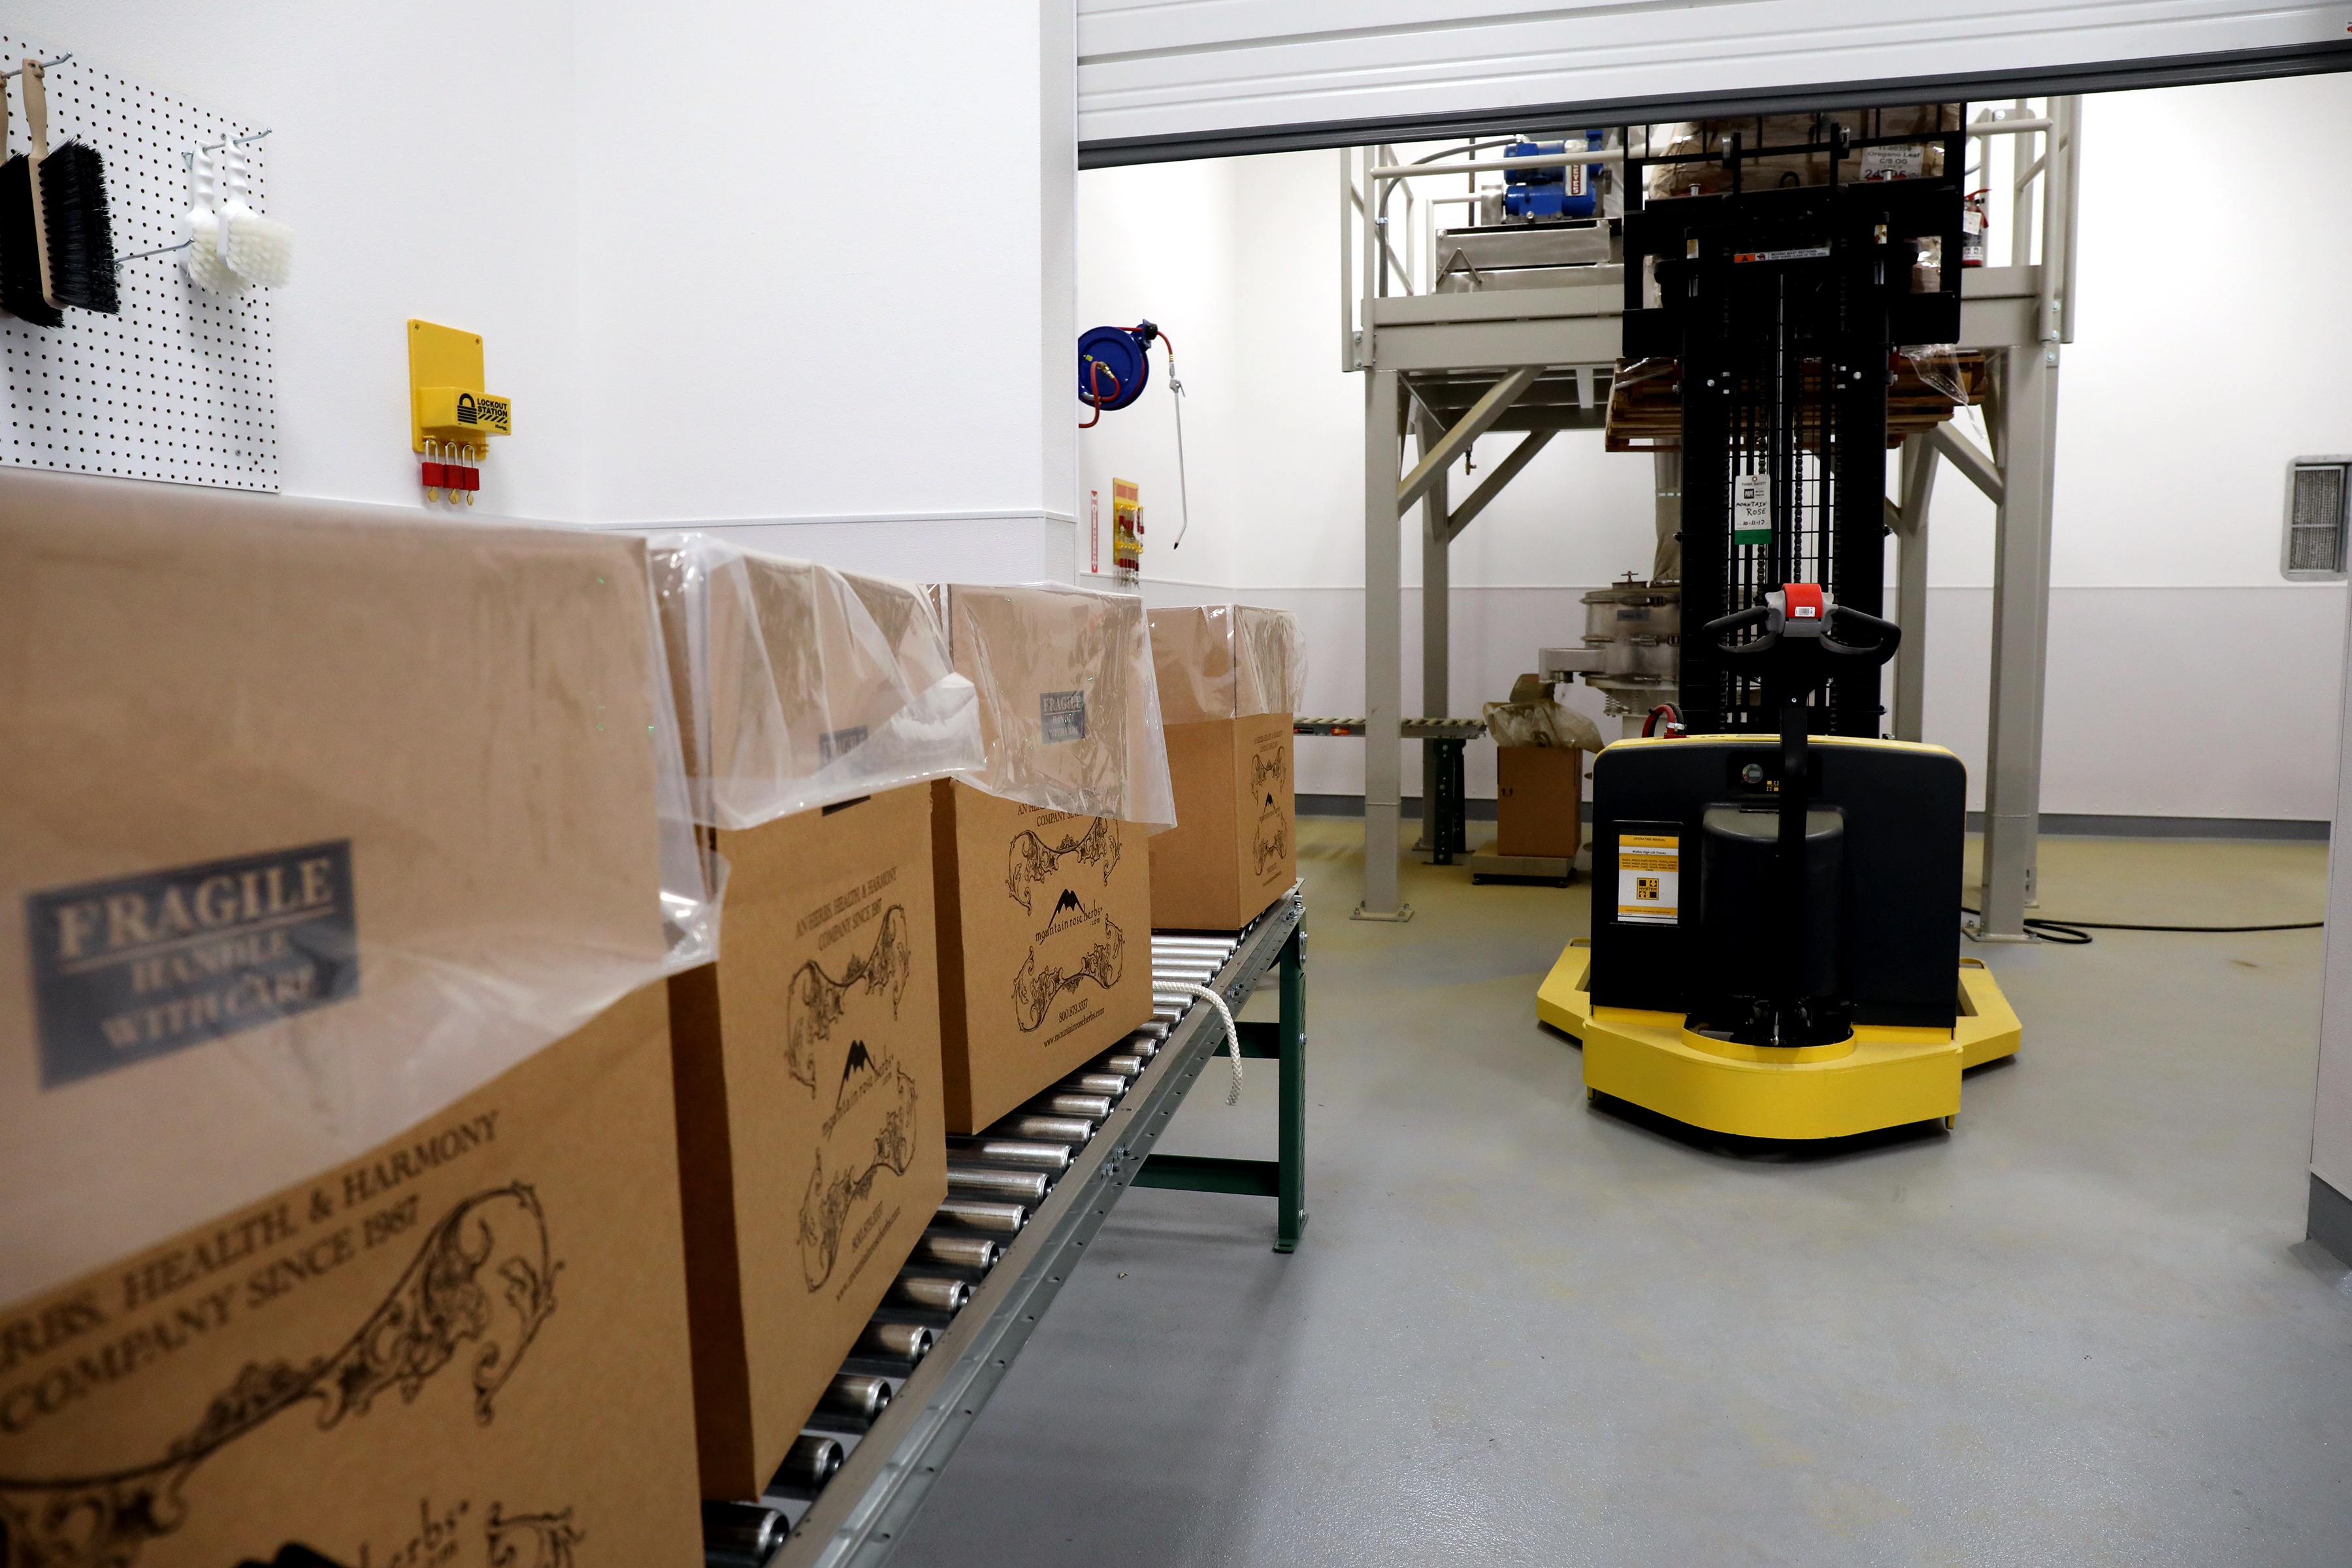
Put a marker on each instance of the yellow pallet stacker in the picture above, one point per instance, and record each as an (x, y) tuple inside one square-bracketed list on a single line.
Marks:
[(1778, 961)]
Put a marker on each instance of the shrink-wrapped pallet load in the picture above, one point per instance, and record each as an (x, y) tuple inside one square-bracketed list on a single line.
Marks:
[(1043, 874), (1230, 677), (818, 707), (344, 852)]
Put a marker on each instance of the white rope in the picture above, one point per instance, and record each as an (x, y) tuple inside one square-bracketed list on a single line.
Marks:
[(1232, 1035)]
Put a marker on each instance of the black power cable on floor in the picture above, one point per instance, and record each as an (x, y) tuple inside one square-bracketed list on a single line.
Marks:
[(2077, 933)]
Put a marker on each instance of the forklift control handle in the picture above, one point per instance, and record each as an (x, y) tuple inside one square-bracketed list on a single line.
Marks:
[(1890, 635)]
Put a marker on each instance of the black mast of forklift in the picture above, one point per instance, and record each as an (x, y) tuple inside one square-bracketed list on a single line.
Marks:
[(1784, 307)]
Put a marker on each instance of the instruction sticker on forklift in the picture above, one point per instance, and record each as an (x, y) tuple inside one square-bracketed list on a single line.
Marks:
[(1649, 878), (1751, 509)]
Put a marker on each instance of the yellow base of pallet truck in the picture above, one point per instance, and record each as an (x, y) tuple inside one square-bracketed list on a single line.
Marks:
[(1882, 1076)]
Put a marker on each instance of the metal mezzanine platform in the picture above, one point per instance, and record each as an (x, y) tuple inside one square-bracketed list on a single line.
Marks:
[(1451, 363), (869, 1458)]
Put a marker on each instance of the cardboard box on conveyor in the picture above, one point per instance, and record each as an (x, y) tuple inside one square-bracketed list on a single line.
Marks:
[(1230, 678), (811, 1104), (338, 1180), (1043, 877)]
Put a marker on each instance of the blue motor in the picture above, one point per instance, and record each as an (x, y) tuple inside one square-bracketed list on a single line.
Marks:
[(1113, 364), (1559, 191)]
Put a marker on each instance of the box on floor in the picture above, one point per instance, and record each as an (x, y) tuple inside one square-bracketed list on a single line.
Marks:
[(1538, 801), (1042, 874), (1228, 676), (810, 1098), (1540, 750)]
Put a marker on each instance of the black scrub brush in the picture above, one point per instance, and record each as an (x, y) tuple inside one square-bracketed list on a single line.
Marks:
[(77, 243), (20, 240)]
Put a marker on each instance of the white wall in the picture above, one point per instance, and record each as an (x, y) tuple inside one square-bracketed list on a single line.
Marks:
[(2186, 678), (852, 308), (705, 309), (2331, 1122), (424, 176)]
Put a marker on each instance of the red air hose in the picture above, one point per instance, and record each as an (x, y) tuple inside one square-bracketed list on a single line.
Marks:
[(1095, 367)]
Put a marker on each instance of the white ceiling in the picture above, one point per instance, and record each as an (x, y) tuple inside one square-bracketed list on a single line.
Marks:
[(1169, 70)]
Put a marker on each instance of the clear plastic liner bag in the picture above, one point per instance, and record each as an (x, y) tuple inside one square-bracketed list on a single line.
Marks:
[(1227, 661), (1540, 721), (1069, 711), (803, 685), (1940, 365), (321, 817)]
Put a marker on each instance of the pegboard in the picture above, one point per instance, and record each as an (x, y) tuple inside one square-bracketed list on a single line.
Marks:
[(179, 386)]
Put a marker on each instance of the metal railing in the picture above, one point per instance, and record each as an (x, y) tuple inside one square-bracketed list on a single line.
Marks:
[(1383, 256)]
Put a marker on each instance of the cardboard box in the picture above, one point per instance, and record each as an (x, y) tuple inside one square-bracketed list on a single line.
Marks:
[(465, 1349), (1539, 800), (1228, 676), (809, 1114), (1045, 924), (318, 817), (1069, 713), (1234, 849), (797, 686)]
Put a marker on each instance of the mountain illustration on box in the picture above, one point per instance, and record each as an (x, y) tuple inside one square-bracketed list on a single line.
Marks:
[(871, 1130), (1078, 945), (817, 1004), (1031, 863)]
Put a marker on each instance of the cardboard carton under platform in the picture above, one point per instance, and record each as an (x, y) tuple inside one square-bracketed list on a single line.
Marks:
[(464, 1349), (1538, 801), (810, 1113)]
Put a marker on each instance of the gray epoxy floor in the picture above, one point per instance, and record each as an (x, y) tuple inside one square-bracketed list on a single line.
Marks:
[(2081, 1328)]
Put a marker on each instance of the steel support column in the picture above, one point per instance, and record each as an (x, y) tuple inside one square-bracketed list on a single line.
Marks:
[(1436, 626), (2020, 638), (1911, 586), (1383, 647)]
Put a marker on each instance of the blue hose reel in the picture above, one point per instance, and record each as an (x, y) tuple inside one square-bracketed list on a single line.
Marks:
[(1113, 364)]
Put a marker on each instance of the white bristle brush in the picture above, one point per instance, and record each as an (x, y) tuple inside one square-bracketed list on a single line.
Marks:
[(202, 261), (261, 248)]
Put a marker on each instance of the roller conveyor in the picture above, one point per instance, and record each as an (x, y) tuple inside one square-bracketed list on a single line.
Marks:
[(1025, 1198)]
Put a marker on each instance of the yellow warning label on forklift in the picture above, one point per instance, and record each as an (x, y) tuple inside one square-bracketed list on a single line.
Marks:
[(1649, 877)]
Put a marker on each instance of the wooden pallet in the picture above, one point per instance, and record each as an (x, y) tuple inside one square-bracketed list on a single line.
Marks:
[(1645, 401)]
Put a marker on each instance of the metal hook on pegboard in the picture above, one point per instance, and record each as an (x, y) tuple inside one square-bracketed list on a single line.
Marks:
[(45, 65), (200, 363), (159, 250), (189, 158)]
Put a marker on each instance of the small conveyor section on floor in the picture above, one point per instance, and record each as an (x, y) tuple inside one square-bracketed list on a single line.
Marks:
[(1024, 1198)]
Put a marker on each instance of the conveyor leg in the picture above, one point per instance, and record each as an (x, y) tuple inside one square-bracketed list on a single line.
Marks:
[(1290, 1215)]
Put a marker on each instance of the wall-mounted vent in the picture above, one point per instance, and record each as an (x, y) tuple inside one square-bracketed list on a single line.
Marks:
[(2316, 517)]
